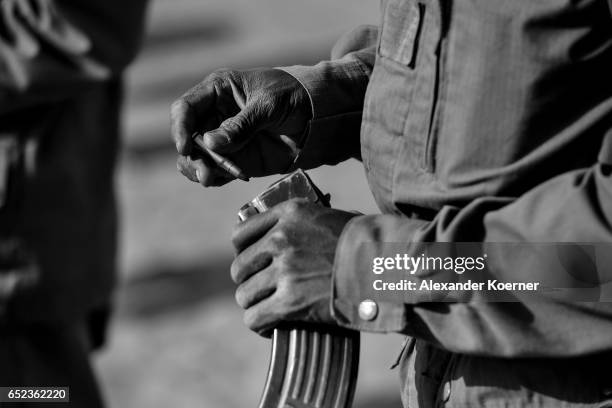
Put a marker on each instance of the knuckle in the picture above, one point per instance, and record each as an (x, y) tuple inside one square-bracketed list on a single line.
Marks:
[(279, 239), (216, 75), (284, 284), (233, 124), (240, 297), (235, 271), (294, 207), (178, 107), (283, 262), (177, 104), (219, 76), (289, 298), (236, 236), (222, 72)]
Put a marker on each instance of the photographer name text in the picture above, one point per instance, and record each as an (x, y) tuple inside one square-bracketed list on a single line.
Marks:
[(430, 285), (429, 265)]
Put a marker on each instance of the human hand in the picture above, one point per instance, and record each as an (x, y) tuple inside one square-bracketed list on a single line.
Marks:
[(255, 118), (284, 264)]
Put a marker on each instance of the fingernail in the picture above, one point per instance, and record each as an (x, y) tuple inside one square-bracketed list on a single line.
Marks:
[(208, 142), (214, 141), (199, 175)]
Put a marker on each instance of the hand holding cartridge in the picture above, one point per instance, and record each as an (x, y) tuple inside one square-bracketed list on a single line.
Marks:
[(255, 120)]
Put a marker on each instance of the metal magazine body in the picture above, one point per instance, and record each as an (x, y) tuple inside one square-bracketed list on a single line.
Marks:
[(311, 366)]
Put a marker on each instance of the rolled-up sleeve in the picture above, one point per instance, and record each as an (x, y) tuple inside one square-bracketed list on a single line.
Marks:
[(575, 207), (337, 90)]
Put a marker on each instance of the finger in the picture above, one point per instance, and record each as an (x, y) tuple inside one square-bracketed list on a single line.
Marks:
[(234, 132), (191, 108), (251, 230), (210, 174), (257, 288), (184, 165), (250, 261), (202, 171), (238, 94), (203, 96), (264, 316), (220, 179), (182, 126)]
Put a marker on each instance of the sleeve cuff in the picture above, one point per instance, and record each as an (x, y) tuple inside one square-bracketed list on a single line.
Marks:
[(336, 90), (355, 303), (334, 87)]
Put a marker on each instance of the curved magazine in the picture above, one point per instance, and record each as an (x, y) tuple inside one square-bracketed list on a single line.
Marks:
[(311, 366), (314, 367)]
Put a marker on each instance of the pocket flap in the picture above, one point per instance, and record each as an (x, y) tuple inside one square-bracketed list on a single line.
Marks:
[(402, 24)]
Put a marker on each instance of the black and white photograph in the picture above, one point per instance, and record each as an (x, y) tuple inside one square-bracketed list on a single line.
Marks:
[(306, 204)]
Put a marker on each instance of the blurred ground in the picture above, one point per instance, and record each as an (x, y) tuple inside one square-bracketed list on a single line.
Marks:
[(178, 339)]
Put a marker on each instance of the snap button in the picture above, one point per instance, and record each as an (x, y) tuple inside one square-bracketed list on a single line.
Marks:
[(368, 309), (446, 392)]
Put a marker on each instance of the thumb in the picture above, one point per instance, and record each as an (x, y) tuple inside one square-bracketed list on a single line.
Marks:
[(233, 133)]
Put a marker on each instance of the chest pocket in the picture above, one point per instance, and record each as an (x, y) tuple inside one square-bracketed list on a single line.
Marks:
[(401, 28)]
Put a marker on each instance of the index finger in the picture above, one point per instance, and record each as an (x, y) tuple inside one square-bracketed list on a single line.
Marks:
[(252, 229), (188, 110), (182, 125)]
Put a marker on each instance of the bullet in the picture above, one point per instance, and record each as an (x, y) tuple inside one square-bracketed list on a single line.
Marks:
[(219, 160)]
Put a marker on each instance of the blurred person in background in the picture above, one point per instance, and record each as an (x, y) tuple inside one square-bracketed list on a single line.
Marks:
[(480, 121), (61, 65)]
